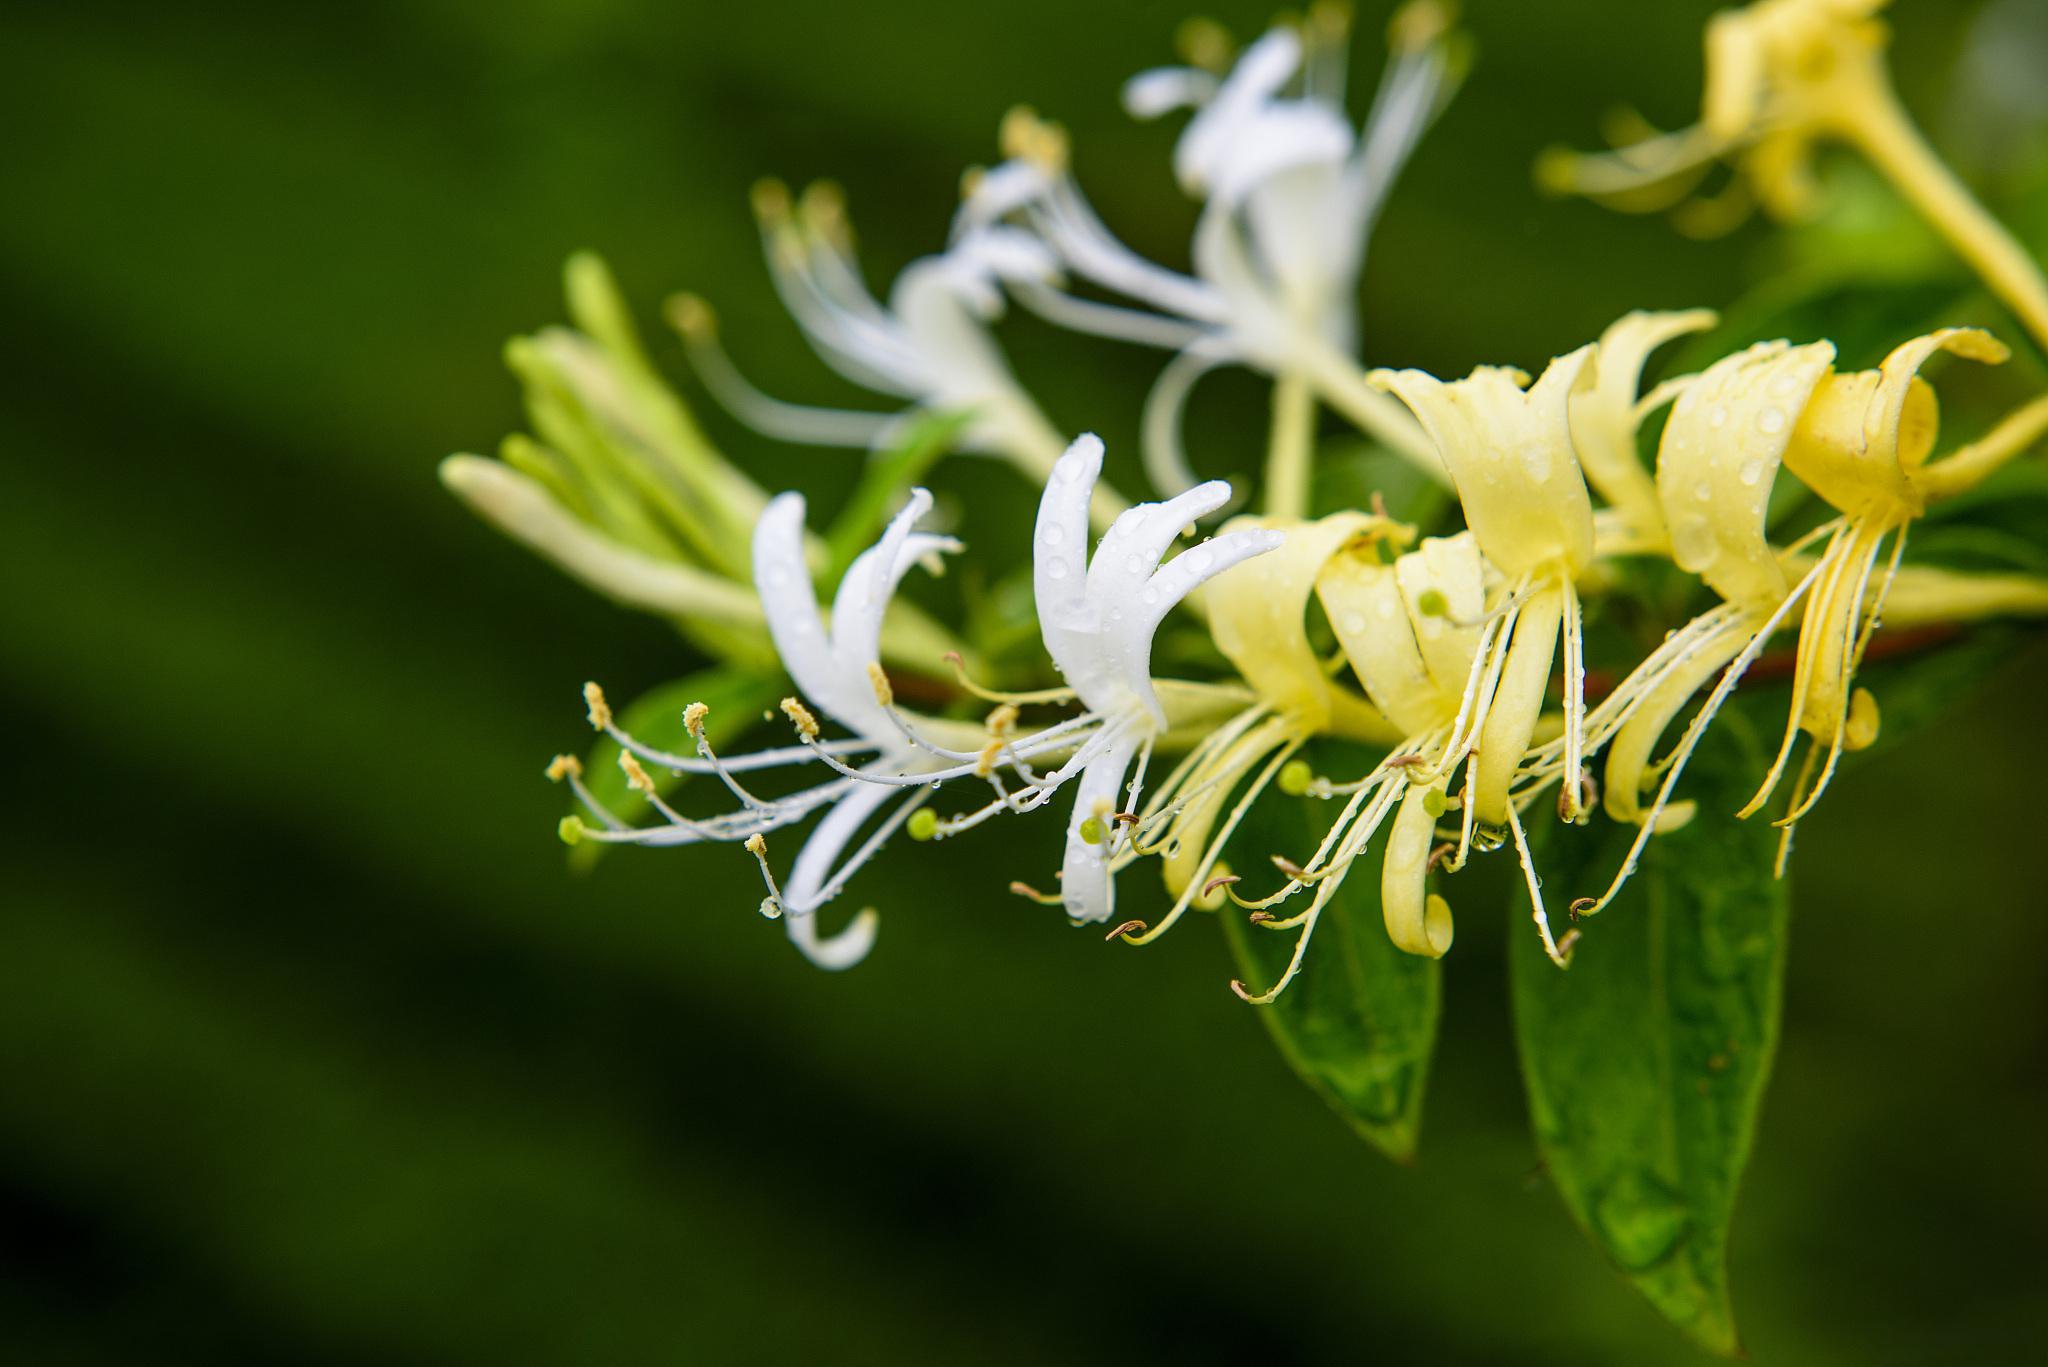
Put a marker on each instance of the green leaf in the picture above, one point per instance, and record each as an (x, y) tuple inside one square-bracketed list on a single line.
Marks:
[(1359, 1022), (736, 698), (881, 485), (1646, 1060)]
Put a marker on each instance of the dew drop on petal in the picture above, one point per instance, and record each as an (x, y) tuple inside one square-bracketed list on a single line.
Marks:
[(1718, 416), (1752, 472), (1354, 624), (1056, 568), (1703, 491), (1134, 563), (1053, 534), (1693, 545), (1771, 421), (1149, 596)]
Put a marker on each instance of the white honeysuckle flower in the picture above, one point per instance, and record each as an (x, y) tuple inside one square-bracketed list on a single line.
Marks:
[(928, 344), (1291, 193), (837, 668), (1097, 616)]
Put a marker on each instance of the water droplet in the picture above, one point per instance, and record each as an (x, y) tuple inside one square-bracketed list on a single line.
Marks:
[(1134, 563), (1052, 534), (1771, 421), (1752, 472), (1116, 614), (1536, 462), (1354, 624), (1693, 544), (1784, 384), (1389, 608), (1198, 558), (1149, 596), (1056, 568), (1718, 416), (1703, 491)]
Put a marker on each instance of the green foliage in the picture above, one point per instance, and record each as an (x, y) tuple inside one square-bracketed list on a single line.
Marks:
[(1359, 1023), (1646, 1060)]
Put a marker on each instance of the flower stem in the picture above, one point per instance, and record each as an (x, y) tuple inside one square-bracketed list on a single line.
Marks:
[(1289, 457), (1882, 131)]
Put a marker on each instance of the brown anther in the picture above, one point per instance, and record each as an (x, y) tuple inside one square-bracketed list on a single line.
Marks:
[(564, 766), (1293, 870), (1127, 928), (1379, 506), (600, 710), (1406, 761), (1243, 992), (1583, 905), (1259, 918), (1565, 944), (1439, 854), (1124, 819), (1221, 880)]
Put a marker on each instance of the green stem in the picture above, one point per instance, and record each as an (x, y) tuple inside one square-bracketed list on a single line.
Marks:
[(1289, 457)]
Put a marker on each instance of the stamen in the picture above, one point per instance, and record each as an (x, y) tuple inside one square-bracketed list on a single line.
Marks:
[(600, 711), (1044, 899), (800, 716), (1127, 928)]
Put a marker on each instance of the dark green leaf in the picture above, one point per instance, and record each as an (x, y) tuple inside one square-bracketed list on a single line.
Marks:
[(1646, 1060), (1359, 1022)]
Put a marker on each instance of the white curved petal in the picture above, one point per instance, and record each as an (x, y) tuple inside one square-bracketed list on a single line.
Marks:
[(789, 604), (1259, 75), (1164, 89), (1175, 580), (1086, 889), (863, 599), (1059, 548), (1278, 137)]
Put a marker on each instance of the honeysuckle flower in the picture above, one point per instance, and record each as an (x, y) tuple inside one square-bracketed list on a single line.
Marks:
[(929, 344), (837, 669), (1510, 451), (1258, 616), (1606, 415), (1861, 441), (1097, 615), (1782, 77), (1290, 192), (619, 488), (1411, 632)]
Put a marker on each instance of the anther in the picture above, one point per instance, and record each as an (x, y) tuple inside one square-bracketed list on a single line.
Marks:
[(1127, 928), (1582, 906), (1259, 918), (600, 710), (1294, 871), (564, 766), (799, 716), (1243, 993), (1438, 855), (885, 694), (636, 777), (770, 198), (1044, 899), (1002, 721), (693, 720), (691, 316), (1224, 880)]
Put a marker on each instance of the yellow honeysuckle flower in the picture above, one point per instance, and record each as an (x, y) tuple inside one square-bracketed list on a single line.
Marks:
[(1258, 615), (1607, 413), (1861, 441), (1511, 455), (1782, 77)]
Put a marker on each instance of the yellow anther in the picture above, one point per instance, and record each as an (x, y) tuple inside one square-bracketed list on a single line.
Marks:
[(1206, 44), (985, 762), (1002, 721), (1418, 24), (885, 693), (691, 316), (564, 766), (800, 716), (1859, 731), (600, 710), (757, 845), (636, 777), (693, 719), (770, 198)]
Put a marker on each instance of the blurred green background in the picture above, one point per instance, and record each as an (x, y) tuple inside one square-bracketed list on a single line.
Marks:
[(312, 1050)]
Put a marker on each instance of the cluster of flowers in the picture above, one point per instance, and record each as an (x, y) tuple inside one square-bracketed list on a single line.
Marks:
[(1452, 643)]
